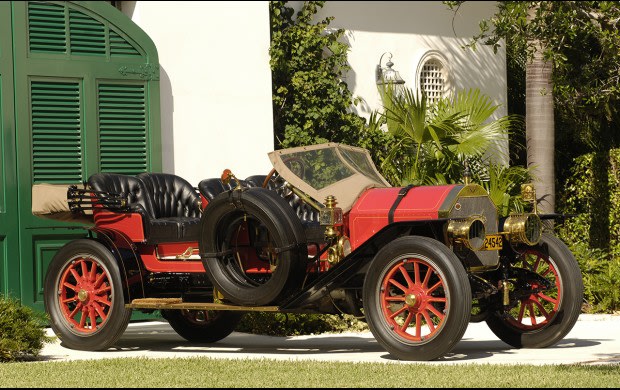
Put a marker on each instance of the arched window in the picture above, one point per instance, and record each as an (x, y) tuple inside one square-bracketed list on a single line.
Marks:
[(433, 77)]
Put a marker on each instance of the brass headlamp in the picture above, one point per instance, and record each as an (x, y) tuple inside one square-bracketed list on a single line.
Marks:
[(469, 232), (523, 228)]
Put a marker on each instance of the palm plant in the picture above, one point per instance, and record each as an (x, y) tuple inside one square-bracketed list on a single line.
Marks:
[(433, 141)]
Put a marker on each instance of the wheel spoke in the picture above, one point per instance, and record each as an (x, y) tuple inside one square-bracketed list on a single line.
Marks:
[(102, 300), (70, 286), (405, 274), (398, 285), (521, 312), (77, 276), (437, 285), (78, 307), (398, 312), (548, 298), (69, 300), (100, 280), (541, 308), (418, 325), (427, 277), (93, 272), (416, 269), (407, 321), (429, 322), (532, 315), (100, 311), (83, 319), (435, 311), (93, 318), (84, 269), (436, 299), (395, 299), (103, 290)]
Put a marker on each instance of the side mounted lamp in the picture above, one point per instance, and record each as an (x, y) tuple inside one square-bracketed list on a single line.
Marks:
[(387, 75)]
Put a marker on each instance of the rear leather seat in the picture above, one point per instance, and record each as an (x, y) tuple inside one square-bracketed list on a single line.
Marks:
[(169, 205), (176, 208)]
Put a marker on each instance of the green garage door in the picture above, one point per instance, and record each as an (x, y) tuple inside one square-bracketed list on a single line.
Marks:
[(86, 99)]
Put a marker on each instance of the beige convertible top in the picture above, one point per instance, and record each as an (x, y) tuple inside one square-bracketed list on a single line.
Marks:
[(328, 169), (50, 201)]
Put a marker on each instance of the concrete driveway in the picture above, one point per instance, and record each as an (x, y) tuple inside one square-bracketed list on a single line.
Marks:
[(595, 339)]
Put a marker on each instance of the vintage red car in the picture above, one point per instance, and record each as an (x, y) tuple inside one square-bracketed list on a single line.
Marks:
[(323, 232)]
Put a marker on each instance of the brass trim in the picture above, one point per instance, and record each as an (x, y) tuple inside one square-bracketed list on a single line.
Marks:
[(460, 191)]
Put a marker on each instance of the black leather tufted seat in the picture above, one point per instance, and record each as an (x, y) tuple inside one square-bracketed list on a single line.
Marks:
[(308, 215), (129, 186), (210, 188), (176, 208)]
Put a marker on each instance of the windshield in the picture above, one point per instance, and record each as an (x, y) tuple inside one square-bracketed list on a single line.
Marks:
[(328, 169)]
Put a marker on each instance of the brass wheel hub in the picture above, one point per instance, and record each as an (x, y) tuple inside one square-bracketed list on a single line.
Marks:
[(410, 300), (83, 295)]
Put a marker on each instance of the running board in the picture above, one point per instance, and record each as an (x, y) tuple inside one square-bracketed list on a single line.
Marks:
[(177, 303)]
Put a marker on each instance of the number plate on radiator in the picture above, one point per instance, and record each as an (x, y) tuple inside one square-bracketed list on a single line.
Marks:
[(492, 242)]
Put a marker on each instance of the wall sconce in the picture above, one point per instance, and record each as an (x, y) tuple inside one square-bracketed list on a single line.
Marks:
[(385, 76)]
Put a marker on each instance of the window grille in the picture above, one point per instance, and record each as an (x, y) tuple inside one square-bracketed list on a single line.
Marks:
[(433, 80)]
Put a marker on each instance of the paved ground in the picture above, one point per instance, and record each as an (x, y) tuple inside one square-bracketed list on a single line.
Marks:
[(595, 339)]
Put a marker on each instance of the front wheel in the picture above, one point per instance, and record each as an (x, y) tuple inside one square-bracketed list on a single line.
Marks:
[(202, 326), (417, 298), (543, 317), (83, 295)]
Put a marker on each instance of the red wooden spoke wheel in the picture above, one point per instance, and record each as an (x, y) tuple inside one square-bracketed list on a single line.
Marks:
[(538, 309), (545, 316), (203, 326), (413, 299), (84, 294), (417, 298)]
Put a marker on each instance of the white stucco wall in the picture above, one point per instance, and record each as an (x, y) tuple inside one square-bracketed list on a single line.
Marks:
[(216, 81), (408, 30), (215, 84)]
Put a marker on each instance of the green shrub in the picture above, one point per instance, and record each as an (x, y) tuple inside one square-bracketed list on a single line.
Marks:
[(22, 331), (592, 195), (288, 324)]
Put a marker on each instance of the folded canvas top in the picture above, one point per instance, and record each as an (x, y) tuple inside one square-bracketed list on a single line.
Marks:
[(50, 201)]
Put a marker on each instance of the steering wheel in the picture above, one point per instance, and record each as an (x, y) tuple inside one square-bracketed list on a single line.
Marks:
[(295, 164)]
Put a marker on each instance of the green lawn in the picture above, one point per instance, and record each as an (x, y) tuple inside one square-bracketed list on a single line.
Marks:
[(208, 372)]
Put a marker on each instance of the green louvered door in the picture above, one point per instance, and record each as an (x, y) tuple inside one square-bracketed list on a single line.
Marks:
[(87, 98), (9, 236)]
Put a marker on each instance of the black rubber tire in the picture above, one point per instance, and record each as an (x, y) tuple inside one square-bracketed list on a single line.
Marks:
[(117, 316), (261, 207), (571, 286), (203, 326), (456, 290)]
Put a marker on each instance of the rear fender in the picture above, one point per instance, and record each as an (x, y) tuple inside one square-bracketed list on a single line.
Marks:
[(129, 260)]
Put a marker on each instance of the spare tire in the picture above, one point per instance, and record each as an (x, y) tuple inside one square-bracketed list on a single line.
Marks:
[(253, 247)]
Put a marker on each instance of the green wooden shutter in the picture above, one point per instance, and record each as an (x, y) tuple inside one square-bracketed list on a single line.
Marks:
[(46, 26), (56, 132), (87, 35), (122, 128)]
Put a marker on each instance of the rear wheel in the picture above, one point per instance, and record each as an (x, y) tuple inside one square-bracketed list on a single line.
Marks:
[(543, 317), (202, 326), (417, 298), (84, 296)]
